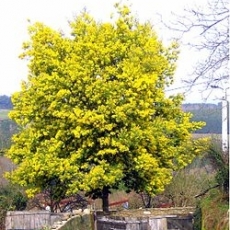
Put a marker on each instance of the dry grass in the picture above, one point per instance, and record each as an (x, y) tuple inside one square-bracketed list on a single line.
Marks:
[(215, 211)]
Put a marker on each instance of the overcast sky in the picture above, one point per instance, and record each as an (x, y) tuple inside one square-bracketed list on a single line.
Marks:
[(14, 15)]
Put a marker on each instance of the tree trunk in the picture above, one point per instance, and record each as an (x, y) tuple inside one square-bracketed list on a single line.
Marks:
[(105, 199)]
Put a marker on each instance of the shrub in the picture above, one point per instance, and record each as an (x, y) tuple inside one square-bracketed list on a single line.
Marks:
[(189, 182), (220, 161), (12, 198)]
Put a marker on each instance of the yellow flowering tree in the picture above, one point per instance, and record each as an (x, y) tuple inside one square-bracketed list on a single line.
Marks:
[(93, 112)]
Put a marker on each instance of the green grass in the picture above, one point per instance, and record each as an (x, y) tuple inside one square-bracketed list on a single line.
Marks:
[(4, 114)]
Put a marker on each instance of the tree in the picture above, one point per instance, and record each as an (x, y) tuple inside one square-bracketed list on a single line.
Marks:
[(211, 24), (93, 113)]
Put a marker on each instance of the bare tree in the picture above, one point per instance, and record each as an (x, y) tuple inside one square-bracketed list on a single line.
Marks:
[(211, 24)]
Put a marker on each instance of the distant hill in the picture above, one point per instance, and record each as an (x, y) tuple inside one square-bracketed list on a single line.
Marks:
[(209, 113), (5, 102), (203, 106)]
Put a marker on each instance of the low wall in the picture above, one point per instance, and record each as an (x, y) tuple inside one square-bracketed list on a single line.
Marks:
[(152, 219), (30, 219), (151, 223)]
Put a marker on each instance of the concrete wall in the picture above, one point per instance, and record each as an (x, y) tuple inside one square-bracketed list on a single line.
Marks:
[(25, 220), (86, 221), (28, 219), (146, 223)]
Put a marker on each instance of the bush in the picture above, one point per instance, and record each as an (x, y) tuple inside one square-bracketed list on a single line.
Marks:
[(12, 198), (189, 182), (220, 161)]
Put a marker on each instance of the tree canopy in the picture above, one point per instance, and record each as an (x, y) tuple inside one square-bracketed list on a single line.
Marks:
[(93, 112)]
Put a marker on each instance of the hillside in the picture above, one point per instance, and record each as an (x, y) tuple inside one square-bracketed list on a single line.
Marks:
[(5, 102), (4, 114), (211, 114)]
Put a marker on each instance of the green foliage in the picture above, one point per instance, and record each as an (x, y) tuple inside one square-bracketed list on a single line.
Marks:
[(197, 225), (221, 162), (12, 198), (213, 204), (94, 113)]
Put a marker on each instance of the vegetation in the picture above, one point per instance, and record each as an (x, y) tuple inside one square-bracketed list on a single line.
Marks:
[(213, 202), (221, 162), (93, 113), (12, 198), (213, 212), (188, 183)]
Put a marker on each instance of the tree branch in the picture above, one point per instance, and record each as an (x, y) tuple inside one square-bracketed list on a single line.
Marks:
[(205, 191)]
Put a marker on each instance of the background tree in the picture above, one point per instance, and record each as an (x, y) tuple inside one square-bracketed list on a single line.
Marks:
[(94, 113), (210, 24)]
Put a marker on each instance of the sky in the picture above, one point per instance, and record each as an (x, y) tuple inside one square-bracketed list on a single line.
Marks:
[(14, 23)]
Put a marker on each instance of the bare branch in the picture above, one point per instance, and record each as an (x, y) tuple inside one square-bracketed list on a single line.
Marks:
[(210, 27), (207, 190)]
